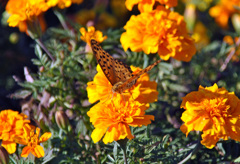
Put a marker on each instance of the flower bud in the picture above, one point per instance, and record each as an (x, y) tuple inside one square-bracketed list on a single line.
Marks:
[(4, 157), (14, 38), (41, 69), (236, 22), (190, 16), (62, 120)]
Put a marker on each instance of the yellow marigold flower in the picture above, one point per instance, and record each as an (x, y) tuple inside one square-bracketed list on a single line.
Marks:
[(159, 31), (214, 111), (223, 10), (30, 138), (11, 124), (144, 91), (23, 12), (91, 34), (113, 119), (147, 5)]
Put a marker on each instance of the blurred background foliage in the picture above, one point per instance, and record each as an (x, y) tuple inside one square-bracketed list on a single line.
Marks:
[(40, 87)]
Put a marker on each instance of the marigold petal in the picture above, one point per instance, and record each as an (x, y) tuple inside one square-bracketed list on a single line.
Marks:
[(130, 3), (20, 140), (97, 134), (144, 120), (111, 135), (26, 150), (209, 140), (9, 146), (45, 137), (38, 151)]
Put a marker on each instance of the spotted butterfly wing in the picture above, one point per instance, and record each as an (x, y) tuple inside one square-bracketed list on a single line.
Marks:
[(131, 81), (114, 70)]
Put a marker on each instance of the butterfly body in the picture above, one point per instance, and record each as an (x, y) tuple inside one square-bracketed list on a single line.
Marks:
[(119, 74)]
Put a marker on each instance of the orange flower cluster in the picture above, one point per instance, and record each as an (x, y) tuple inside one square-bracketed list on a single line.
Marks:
[(30, 138), (115, 113), (24, 13), (147, 5), (91, 33), (113, 119), (223, 11), (15, 128), (159, 31), (11, 125), (214, 111)]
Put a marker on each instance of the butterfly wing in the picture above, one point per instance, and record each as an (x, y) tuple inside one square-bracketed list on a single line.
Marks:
[(131, 81), (113, 69), (122, 71)]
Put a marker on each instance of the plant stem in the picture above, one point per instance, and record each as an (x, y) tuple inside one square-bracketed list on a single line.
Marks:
[(229, 57), (61, 19), (123, 145), (31, 158), (124, 156), (192, 152), (40, 43)]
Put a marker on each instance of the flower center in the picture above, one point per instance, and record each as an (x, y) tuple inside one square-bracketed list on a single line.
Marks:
[(217, 107), (32, 139)]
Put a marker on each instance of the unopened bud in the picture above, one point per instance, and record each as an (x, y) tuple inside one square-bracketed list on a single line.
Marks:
[(4, 157), (41, 69), (14, 38), (236, 22), (62, 120), (190, 16)]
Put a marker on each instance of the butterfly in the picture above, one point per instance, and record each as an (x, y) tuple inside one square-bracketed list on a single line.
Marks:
[(118, 74)]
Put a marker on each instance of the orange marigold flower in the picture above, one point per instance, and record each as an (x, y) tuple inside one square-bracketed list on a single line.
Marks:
[(214, 111), (11, 125), (91, 34), (147, 5), (113, 119), (30, 138), (24, 12), (223, 10), (159, 31), (144, 90)]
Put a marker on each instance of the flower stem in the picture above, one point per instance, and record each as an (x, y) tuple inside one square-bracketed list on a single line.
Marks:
[(123, 145), (192, 152), (31, 158), (229, 57), (40, 43), (61, 18), (124, 156)]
